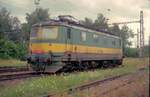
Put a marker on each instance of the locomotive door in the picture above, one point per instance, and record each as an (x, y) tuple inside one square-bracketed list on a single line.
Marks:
[(69, 40)]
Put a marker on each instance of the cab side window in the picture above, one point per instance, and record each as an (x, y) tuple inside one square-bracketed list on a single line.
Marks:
[(95, 37), (83, 36)]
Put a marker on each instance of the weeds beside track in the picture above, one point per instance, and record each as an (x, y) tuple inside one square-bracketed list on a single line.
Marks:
[(126, 80)]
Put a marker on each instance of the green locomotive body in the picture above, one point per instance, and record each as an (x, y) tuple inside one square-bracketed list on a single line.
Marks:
[(59, 46)]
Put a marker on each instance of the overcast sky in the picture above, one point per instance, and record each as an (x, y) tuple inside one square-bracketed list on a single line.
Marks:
[(120, 10)]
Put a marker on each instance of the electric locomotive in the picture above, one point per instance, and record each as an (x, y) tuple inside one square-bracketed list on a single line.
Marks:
[(65, 45)]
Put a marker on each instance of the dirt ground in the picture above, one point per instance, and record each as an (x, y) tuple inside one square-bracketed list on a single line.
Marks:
[(133, 85)]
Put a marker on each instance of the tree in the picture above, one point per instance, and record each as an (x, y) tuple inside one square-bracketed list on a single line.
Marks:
[(131, 52), (15, 23), (25, 31), (10, 49), (5, 24), (126, 34), (115, 30), (36, 16), (101, 22), (9, 26), (15, 33), (87, 22)]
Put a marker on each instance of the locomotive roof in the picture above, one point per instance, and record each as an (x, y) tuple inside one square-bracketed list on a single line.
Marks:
[(73, 25)]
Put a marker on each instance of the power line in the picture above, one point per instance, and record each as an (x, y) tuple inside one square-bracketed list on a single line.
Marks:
[(128, 22), (140, 35)]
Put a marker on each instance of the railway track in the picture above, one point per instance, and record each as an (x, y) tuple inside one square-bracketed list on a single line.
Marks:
[(19, 75), (7, 69), (71, 91), (86, 87)]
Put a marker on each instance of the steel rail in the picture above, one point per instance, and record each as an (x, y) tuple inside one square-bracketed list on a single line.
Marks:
[(99, 82), (18, 75), (13, 69)]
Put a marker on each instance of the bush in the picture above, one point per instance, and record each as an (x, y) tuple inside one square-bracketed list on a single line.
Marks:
[(131, 52), (9, 49)]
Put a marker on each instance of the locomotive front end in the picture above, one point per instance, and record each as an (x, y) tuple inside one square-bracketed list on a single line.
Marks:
[(40, 53)]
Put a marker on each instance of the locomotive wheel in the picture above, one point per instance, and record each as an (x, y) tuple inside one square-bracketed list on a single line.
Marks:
[(42, 67), (105, 64), (79, 66), (85, 65)]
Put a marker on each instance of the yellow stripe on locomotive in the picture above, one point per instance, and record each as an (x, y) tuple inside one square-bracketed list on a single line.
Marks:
[(61, 48)]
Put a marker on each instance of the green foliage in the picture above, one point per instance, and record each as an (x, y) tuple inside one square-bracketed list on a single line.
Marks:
[(101, 22), (147, 50), (115, 30), (131, 52), (4, 21), (12, 36), (134, 52), (87, 22), (9, 26), (9, 49), (126, 34), (26, 31), (36, 16)]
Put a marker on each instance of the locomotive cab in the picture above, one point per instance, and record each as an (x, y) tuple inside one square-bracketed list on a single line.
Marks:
[(41, 35), (41, 39)]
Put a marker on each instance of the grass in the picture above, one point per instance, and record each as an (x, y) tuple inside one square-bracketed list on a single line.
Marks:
[(136, 62), (138, 88), (59, 83), (11, 62)]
